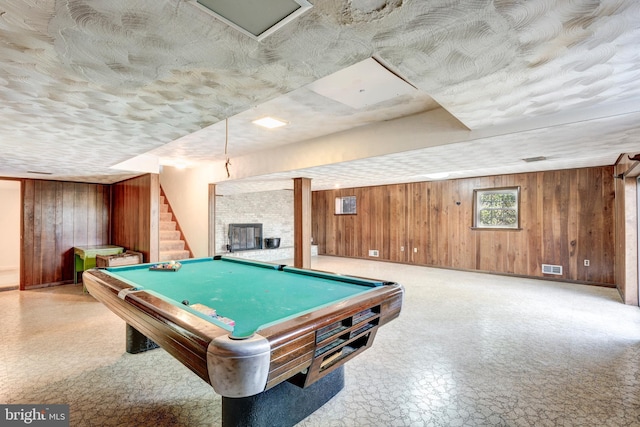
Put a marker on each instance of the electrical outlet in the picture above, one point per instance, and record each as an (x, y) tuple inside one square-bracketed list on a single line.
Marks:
[(401, 248), (373, 252), (415, 249), (586, 263)]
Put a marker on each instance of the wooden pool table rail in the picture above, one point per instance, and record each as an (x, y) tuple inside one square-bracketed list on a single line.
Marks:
[(182, 334), (293, 344)]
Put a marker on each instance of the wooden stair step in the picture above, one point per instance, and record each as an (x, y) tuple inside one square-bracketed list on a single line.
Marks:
[(171, 245), (167, 225), (173, 255), (169, 235)]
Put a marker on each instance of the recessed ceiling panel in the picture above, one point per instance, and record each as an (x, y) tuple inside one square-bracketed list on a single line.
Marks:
[(255, 18), (363, 84)]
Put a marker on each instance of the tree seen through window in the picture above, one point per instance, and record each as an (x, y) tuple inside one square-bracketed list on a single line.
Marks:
[(496, 208)]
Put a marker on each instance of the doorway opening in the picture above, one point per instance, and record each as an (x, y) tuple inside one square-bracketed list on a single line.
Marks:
[(10, 232)]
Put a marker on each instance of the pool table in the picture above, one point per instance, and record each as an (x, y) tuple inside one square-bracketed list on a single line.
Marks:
[(246, 326)]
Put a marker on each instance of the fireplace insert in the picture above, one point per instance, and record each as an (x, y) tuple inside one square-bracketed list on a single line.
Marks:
[(244, 237)]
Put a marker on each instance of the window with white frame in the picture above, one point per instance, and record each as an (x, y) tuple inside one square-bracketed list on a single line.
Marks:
[(346, 205)]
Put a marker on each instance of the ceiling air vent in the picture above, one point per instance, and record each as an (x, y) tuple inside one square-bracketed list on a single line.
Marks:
[(255, 18), (552, 269), (534, 159)]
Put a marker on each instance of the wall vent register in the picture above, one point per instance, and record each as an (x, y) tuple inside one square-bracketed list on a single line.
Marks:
[(552, 269)]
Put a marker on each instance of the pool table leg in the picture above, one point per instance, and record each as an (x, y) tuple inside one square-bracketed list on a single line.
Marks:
[(283, 405), (137, 342)]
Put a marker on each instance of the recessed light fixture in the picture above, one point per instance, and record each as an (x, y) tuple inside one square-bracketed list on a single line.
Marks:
[(269, 122), (438, 175)]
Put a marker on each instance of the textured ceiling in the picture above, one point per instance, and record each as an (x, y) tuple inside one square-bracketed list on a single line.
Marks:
[(88, 84)]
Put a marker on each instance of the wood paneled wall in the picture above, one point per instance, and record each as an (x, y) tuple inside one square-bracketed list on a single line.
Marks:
[(56, 217), (135, 215), (566, 216)]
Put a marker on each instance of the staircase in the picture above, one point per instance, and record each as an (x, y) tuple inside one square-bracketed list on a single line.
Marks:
[(172, 243)]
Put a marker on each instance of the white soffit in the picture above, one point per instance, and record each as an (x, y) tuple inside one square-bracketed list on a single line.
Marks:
[(363, 84), (254, 18), (144, 163)]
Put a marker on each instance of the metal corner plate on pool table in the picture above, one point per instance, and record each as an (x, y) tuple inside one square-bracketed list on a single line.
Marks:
[(239, 367)]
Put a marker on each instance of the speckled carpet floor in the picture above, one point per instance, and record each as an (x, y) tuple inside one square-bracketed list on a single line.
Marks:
[(469, 349)]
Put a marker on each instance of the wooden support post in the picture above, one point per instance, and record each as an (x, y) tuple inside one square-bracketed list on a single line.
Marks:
[(302, 222), (212, 220), (154, 217)]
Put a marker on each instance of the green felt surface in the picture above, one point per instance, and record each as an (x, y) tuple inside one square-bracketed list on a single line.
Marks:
[(251, 295)]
